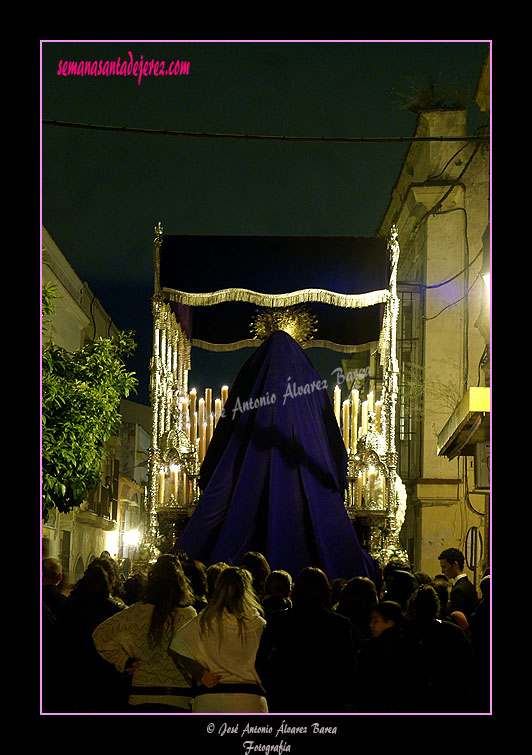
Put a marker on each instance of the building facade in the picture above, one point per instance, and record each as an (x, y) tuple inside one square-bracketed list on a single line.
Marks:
[(440, 206), (112, 515)]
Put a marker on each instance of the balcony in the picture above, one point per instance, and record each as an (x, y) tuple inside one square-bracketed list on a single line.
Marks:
[(468, 425)]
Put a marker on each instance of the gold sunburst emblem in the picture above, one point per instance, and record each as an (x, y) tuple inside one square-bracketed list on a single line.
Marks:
[(298, 322)]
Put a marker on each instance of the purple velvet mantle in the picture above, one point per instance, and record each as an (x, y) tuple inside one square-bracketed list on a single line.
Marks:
[(273, 478)]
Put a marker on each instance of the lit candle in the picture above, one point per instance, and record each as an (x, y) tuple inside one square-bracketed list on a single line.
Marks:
[(370, 402), (225, 393), (192, 402), (174, 358), (359, 489), (210, 428), (161, 486), (203, 441), (346, 423), (201, 412), (364, 417), (371, 472), (217, 411), (188, 431), (337, 401), (378, 409), (175, 470), (208, 401), (354, 418), (195, 428), (182, 485)]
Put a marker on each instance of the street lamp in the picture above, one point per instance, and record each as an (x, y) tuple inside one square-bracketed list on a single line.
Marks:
[(132, 538)]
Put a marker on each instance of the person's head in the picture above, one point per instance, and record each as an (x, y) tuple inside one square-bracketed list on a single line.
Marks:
[(459, 618), (423, 578), (111, 567), (96, 581), (258, 567), (52, 571), (485, 587), (167, 582), (213, 571), (197, 575), (385, 615), (393, 565), (337, 585), (134, 587), (311, 589), (442, 588), (424, 605), (279, 583), (357, 598), (399, 586), (233, 593), (167, 588), (451, 562)]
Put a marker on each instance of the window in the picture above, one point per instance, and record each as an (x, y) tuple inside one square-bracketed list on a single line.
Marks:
[(64, 556), (410, 399)]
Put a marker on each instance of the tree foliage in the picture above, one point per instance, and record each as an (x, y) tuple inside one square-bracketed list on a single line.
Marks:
[(81, 392)]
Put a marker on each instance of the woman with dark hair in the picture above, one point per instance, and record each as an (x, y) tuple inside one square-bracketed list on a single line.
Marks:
[(94, 687), (196, 573), (277, 589), (219, 647), (134, 587), (259, 568), (305, 658), (117, 578), (136, 641), (442, 586)]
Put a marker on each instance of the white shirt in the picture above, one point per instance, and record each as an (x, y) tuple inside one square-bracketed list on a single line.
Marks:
[(231, 656), (125, 635), (459, 576)]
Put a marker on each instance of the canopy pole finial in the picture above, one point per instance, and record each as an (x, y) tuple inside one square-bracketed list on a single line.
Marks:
[(157, 243)]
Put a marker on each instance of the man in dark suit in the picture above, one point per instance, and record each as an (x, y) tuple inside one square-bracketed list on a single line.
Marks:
[(463, 595)]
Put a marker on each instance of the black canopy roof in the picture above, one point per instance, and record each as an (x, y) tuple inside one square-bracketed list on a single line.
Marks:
[(275, 265)]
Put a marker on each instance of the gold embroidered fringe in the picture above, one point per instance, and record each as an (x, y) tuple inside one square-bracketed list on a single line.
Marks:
[(199, 344), (349, 301), (314, 343)]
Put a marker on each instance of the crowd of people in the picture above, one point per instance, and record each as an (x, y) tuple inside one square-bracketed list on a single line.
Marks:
[(184, 638)]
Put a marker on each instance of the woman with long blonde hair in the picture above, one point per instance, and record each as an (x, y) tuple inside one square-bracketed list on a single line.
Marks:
[(219, 647)]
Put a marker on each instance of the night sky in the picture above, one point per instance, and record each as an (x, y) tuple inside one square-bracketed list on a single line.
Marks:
[(103, 192)]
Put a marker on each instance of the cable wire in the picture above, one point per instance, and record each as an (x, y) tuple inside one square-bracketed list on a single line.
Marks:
[(264, 137), (452, 303), (434, 209)]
